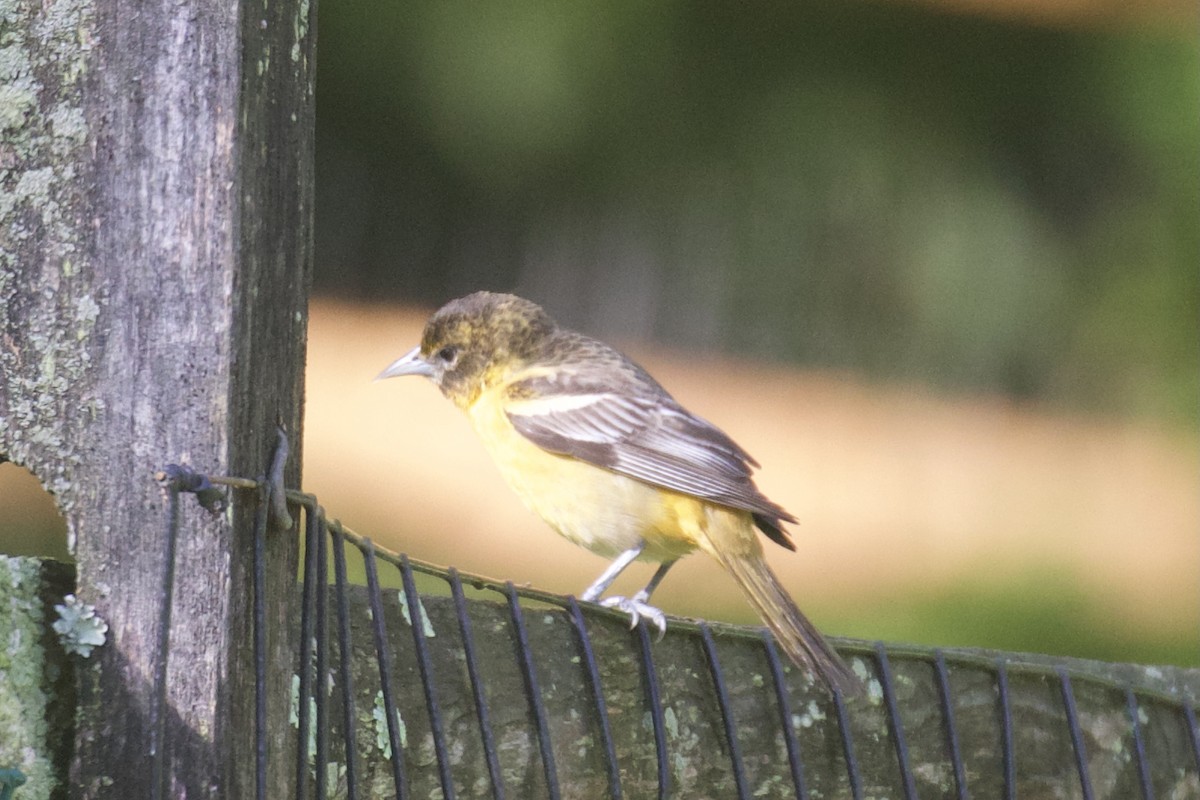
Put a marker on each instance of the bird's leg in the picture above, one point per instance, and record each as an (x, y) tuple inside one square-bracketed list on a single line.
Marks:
[(659, 574), (609, 575), (638, 606)]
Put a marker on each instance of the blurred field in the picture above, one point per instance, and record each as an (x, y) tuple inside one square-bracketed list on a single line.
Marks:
[(960, 520), (945, 520)]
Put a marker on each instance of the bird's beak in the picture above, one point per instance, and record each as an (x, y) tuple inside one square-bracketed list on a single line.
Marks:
[(410, 363)]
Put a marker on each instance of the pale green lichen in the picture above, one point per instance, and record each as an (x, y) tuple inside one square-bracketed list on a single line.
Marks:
[(671, 722), (776, 785), (44, 56), (79, 629), (25, 743), (294, 718), (68, 123), (864, 674), (813, 714), (335, 773), (426, 625), (379, 719), (16, 99), (299, 31)]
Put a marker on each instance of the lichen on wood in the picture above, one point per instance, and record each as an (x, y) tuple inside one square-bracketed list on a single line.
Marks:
[(36, 700)]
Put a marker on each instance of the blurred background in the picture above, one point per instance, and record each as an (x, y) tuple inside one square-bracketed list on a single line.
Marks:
[(935, 264)]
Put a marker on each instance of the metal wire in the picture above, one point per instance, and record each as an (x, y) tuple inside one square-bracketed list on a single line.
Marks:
[(305, 667), (654, 698), (1081, 764), (1139, 745), (416, 616), (477, 694), (1189, 715), (593, 674), (785, 717), (1006, 731), (525, 655), (852, 772), (735, 751), (321, 780), (271, 510), (383, 655), (349, 718), (956, 761), (313, 668), (889, 697)]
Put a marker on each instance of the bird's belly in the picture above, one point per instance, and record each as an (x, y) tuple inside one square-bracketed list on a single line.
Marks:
[(601, 510)]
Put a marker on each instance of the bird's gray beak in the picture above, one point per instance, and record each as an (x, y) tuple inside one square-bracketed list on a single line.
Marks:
[(410, 363)]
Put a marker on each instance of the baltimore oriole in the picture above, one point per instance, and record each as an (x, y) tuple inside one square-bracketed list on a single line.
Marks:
[(610, 460)]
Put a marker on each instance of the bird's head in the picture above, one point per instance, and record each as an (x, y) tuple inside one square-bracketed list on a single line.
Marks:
[(473, 342)]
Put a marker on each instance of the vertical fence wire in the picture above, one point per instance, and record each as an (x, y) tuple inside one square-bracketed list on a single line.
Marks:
[(416, 616), (593, 675), (534, 690), (658, 723), (1008, 756), (784, 702), (304, 670), (321, 693), (1139, 744), (383, 655), (947, 701), (313, 681), (852, 771), (1189, 715), (349, 718), (718, 679), (1081, 762), (477, 690), (894, 722)]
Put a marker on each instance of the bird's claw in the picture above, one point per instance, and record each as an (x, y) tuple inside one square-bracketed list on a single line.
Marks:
[(637, 608)]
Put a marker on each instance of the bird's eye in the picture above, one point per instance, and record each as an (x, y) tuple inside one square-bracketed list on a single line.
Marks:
[(447, 355)]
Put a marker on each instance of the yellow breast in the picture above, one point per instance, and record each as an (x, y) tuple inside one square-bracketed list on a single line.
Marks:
[(601, 510)]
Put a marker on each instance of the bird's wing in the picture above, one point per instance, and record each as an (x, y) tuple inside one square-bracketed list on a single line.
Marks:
[(642, 434)]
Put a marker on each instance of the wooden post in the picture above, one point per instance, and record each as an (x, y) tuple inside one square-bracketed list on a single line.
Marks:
[(155, 255)]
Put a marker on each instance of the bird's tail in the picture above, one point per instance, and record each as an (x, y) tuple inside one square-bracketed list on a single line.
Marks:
[(802, 642)]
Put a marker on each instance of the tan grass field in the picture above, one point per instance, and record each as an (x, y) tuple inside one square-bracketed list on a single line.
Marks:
[(900, 492)]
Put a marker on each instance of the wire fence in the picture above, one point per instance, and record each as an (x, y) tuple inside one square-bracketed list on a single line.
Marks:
[(421, 681)]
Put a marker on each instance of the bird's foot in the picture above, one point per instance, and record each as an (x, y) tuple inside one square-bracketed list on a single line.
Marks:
[(637, 607)]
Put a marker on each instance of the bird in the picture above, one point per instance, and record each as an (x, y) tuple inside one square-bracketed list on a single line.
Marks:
[(610, 460)]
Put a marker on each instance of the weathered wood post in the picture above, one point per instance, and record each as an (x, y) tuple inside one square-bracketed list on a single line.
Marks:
[(155, 254)]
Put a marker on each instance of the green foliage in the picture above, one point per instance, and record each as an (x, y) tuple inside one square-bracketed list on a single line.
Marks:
[(1045, 611), (972, 203)]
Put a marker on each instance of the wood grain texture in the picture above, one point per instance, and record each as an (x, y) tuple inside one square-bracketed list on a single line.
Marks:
[(155, 241)]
